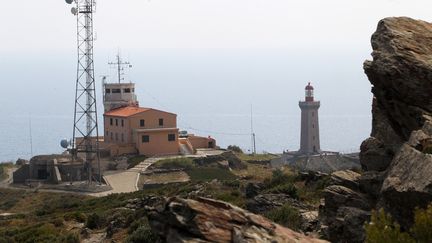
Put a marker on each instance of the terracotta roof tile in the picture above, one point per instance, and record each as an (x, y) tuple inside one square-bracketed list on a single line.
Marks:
[(126, 111)]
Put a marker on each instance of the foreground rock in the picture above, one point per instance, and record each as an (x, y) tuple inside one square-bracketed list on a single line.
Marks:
[(207, 220), (396, 157)]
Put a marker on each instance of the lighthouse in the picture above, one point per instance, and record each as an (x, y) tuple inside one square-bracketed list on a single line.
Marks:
[(309, 138)]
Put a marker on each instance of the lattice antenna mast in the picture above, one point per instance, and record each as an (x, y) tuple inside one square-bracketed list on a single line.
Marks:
[(85, 116), (120, 65)]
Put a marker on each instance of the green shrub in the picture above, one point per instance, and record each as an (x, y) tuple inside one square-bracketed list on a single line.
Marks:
[(179, 163), (422, 229), (70, 238), (383, 229), (235, 149), (233, 197), (287, 216), (79, 217), (286, 188), (57, 222), (208, 174), (94, 221), (143, 235)]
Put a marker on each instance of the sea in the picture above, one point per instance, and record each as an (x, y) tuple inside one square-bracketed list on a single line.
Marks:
[(223, 93)]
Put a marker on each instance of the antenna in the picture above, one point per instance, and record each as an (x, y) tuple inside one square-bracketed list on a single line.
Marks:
[(252, 134), (85, 115), (120, 65)]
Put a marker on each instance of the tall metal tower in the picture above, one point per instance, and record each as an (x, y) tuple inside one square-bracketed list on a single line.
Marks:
[(85, 116)]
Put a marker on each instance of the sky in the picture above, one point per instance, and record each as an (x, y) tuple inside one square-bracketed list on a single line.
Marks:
[(202, 57)]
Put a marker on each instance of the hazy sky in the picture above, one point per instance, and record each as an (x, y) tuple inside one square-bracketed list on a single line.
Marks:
[(206, 60), (137, 24)]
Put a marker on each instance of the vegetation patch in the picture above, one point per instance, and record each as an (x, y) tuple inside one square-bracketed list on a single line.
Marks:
[(177, 163), (134, 161), (255, 157), (208, 174), (235, 149), (282, 183), (382, 228), (286, 216), (3, 170)]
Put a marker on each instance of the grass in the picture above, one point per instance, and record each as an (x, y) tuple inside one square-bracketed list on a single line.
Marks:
[(196, 173), (208, 174), (134, 161), (177, 163), (286, 216), (254, 172), (256, 157)]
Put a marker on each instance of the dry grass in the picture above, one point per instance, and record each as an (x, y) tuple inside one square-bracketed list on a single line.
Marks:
[(160, 178), (255, 172)]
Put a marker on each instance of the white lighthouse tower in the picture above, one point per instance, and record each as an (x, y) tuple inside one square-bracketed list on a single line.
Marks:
[(309, 140)]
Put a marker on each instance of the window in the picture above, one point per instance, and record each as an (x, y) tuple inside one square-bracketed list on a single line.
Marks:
[(111, 121), (161, 122), (116, 136), (112, 137), (145, 138), (107, 91), (116, 122), (142, 123), (122, 137), (107, 133), (116, 91), (171, 137), (313, 125), (122, 123), (126, 90)]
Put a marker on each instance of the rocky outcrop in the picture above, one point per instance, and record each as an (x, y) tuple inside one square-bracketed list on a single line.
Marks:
[(206, 220), (395, 159)]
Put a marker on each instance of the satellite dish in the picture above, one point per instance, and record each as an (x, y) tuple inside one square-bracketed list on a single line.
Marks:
[(69, 1), (64, 143), (74, 11)]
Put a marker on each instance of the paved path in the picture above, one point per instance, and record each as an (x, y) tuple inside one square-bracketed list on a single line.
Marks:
[(127, 181)]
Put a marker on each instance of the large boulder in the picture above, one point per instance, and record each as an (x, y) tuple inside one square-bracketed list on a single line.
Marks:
[(395, 159), (409, 183), (207, 220)]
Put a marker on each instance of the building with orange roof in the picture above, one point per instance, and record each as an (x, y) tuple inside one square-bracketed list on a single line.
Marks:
[(130, 129)]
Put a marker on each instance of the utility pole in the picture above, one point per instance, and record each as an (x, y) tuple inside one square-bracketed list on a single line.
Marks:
[(252, 134)]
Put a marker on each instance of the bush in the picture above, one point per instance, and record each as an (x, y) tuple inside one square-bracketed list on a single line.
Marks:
[(422, 229), (287, 216), (70, 238), (143, 235), (94, 221), (383, 229), (235, 149), (79, 217), (282, 183), (208, 174), (286, 188)]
